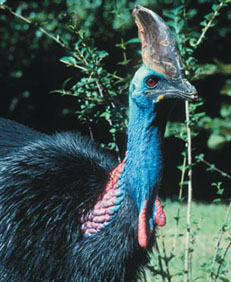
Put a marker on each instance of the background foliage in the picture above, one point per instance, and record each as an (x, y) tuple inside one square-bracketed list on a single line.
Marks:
[(98, 39)]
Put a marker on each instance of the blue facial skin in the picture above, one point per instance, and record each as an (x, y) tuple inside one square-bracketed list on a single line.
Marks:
[(138, 87), (143, 167)]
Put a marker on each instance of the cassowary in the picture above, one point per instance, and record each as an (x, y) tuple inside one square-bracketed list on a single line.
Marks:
[(68, 211)]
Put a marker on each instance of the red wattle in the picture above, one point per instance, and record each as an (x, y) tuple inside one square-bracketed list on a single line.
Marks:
[(160, 217), (143, 233), (143, 227)]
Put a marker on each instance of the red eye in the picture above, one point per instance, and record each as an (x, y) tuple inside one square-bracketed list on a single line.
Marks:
[(151, 81)]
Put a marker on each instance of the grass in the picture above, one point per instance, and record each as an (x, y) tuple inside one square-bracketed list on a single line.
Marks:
[(207, 220)]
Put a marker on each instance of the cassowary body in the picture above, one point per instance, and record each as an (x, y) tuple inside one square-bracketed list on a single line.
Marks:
[(45, 182), (68, 210), (51, 228)]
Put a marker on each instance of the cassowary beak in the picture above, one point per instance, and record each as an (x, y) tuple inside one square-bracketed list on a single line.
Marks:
[(180, 89), (160, 53)]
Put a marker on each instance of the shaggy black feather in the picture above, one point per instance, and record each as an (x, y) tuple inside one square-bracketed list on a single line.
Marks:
[(44, 181)]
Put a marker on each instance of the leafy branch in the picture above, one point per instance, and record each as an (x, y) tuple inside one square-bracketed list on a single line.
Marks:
[(189, 157), (209, 19), (218, 243), (212, 167), (36, 25), (97, 89)]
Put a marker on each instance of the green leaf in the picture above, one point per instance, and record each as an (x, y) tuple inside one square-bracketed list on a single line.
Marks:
[(68, 60), (66, 82), (133, 40), (181, 167), (224, 279), (65, 111), (214, 7), (226, 90), (220, 191), (81, 33), (2, 2), (225, 110), (200, 157), (26, 94), (208, 69), (124, 62), (209, 16), (106, 115), (102, 54), (192, 42), (216, 142), (111, 146), (218, 184), (203, 23), (216, 200), (112, 130)]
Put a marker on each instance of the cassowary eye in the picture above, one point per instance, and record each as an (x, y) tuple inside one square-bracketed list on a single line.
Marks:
[(151, 81)]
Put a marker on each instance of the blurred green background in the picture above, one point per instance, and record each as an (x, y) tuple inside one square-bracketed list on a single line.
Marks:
[(30, 69)]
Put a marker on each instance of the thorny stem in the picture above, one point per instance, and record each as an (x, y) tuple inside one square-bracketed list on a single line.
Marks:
[(212, 167), (177, 218), (229, 259), (221, 233), (188, 230), (189, 155), (168, 278), (182, 178), (57, 40), (160, 260), (205, 29), (224, 255)]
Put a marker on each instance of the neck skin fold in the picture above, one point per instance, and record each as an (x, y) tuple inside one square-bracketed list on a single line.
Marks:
[(143, 166)]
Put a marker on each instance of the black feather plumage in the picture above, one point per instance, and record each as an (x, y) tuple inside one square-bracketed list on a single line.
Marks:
[(44, 181)]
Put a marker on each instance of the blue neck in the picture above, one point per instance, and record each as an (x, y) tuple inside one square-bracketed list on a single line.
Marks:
[(143, 166)]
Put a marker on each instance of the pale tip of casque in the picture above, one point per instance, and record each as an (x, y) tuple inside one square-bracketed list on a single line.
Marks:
[(137, 6)]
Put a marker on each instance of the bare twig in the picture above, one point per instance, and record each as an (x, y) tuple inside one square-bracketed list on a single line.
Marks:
[(13, 104), (91, 132), (188, 229)]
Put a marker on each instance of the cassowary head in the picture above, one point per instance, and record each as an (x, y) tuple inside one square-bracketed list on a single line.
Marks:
[(162, 74)]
